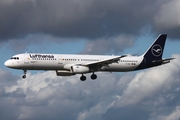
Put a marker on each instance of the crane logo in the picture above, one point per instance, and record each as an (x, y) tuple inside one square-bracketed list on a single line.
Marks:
[(156, 50)]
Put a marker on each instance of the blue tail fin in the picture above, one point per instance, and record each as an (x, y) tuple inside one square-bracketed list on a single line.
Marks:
[(155, 51), (153, 56)]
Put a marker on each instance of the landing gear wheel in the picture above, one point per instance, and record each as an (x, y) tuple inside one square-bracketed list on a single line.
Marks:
[(24, 76), (83, 78), (93, 76)]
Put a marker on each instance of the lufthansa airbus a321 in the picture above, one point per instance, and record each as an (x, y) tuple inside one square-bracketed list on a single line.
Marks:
[(67, 65)]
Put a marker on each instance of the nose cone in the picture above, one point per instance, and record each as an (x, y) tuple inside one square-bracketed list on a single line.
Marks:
[(7, 63)]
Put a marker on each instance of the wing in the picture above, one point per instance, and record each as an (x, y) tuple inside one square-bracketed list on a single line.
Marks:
[(95, 66), (105, 62)]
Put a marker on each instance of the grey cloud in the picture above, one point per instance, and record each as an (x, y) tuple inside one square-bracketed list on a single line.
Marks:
[(167, 19), (39, 43), (145, 83), (49, 97), (136, 112), (112, 45), (78, 18)]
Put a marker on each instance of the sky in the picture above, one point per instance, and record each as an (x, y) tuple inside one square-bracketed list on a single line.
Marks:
[(103, 27)]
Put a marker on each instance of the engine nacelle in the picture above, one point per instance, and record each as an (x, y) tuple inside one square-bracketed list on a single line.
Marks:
[(80, 69), (64, 73)]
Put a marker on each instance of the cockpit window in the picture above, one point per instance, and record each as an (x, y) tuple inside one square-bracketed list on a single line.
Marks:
[(15, 58)]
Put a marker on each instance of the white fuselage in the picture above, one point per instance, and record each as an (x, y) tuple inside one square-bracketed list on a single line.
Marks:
[(35, 61)]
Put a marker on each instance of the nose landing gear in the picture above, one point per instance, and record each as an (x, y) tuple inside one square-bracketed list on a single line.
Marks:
[(24, 76)]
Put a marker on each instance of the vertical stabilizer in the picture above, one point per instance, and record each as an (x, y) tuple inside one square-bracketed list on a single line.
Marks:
[(155, 51)]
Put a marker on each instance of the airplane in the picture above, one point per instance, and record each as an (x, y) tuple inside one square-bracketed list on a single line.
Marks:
[(68, 64)]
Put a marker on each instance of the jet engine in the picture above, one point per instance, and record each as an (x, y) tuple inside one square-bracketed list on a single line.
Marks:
[(80, 69)]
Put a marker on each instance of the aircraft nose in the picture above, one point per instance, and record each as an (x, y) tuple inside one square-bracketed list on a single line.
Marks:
[(7, 64)]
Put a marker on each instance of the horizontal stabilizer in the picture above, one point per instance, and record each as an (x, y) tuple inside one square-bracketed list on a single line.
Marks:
[(164, 61)]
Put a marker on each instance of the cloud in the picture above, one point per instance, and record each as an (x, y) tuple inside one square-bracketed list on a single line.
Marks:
[(107, 26), (46, 96), (111, 45), (127, 113), (175, 115), (147, 83), (167, 19), (168, 15), (36, 43), (91, 19), (149, 94)]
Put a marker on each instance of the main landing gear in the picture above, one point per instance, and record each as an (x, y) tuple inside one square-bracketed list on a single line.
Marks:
[(93, 77), (24, 76), (83, 78)]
